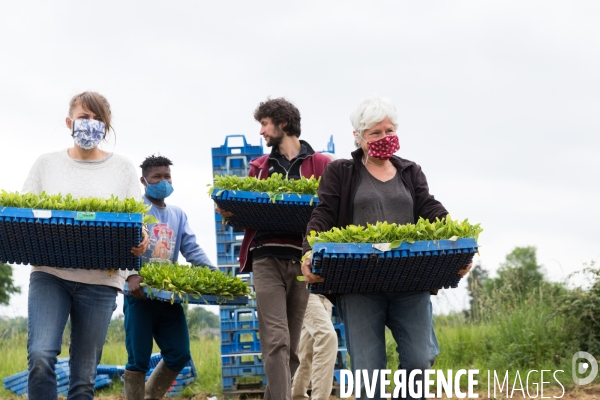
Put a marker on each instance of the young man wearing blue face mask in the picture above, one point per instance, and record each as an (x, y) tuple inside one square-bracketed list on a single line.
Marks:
[(147, 319)]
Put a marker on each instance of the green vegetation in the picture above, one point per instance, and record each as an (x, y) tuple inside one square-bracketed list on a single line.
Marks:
[(195, 281), (382, 232), (7, 286), (274, 185), (45, 201), (519, 321)]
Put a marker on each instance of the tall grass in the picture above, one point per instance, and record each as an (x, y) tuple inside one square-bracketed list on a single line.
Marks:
[(205, 353), (514, 333), (511, 334)]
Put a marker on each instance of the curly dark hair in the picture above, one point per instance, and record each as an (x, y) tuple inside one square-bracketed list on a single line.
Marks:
[(280, 111), (154, 161)]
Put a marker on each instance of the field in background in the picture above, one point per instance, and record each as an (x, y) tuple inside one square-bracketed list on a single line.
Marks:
[(517, 322)]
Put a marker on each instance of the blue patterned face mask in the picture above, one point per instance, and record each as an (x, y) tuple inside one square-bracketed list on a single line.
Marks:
[(88, 133), (160, 190)]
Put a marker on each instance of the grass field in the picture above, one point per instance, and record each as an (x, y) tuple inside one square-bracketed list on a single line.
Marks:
[(205, 352), (523, 340), (519, 333)]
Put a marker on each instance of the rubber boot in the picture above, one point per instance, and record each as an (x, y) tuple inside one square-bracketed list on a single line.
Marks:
[(160, 381), (134, 383)]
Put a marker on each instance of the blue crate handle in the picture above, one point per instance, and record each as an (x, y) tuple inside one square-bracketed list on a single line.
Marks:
[(236, 157), (263, 197), (99, 216), (235, 136), (368, 248)]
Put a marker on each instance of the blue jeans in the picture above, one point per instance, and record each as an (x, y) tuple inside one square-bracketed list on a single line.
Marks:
[(163, 321), (409, 317), (51, 301)]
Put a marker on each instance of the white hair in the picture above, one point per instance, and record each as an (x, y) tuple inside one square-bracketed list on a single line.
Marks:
[(372, 111)]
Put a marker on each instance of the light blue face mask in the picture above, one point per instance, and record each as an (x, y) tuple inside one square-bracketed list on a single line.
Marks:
[(88, 133), (160, 190)]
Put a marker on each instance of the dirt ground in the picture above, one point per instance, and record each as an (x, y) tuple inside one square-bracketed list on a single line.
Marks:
[(588, 392)]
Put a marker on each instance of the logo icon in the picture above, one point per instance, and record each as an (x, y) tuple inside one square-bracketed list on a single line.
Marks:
[(580, 368)]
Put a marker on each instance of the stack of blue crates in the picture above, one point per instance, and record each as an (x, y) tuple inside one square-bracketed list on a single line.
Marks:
[(241, 358), (240, 345), (240, 349), (341, 361), (231, 159)]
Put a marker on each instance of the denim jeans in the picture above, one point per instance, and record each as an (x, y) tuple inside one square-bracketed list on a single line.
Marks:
[(163, 321), (51, 301), (409, 317)]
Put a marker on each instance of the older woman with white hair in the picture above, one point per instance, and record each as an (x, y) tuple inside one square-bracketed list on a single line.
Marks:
[(374, 185)]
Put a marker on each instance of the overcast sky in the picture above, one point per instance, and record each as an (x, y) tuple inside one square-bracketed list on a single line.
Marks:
[(498, 100)]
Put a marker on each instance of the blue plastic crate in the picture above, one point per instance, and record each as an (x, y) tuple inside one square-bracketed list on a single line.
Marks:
[(330, 146), (254, 210), (238, 319), (232, 383), (336, 376), (102, 381), (227, 259), (237, 346), (341, 360), (69, 239), (341, 334), (362, 268), (230, 159), (228, 337), (19, 386), (228, 253), (10, 380), (230, 235), (156, 357), (226, 149), (113, 371), (18, 383), (251, 304), (246, 370), (228, 269), (335, 316), (240, 360), (237, 325), (180, 384), (220, 227), (232, 269), (164, 295)]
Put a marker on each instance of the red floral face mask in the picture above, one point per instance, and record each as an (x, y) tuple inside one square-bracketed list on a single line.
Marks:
[(384, 148)]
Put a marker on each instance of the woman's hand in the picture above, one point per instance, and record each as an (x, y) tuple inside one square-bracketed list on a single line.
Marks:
[(465, 270), (142, 247), (134, 286), (223, 213), (309, 277)]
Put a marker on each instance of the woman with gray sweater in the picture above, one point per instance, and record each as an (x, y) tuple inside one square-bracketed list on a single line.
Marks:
[(87, 296)]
